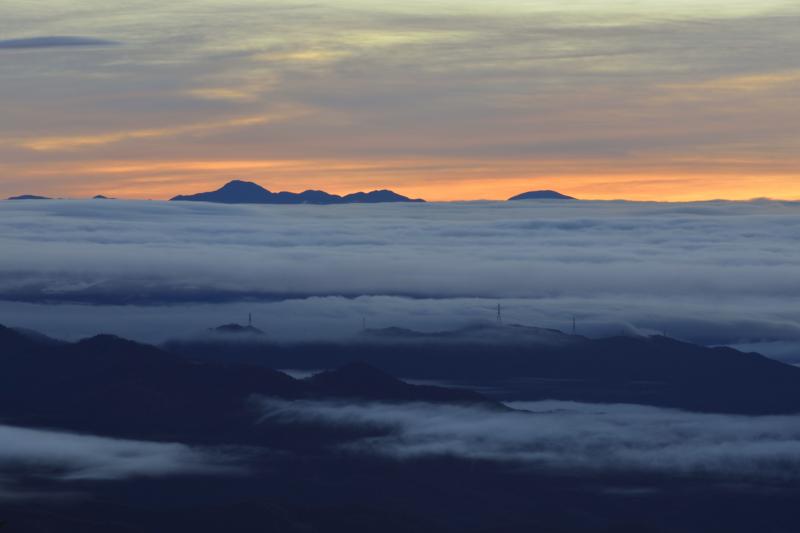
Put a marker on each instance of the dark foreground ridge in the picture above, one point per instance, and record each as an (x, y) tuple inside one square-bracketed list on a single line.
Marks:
[(319, 475), (541, 195), (530, 364), (106, 384), (245, 192)]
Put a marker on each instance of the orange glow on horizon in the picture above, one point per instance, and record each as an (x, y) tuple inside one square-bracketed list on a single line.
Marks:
[(430, 180)]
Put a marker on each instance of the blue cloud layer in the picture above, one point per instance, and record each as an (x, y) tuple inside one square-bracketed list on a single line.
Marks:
[(715, 272)]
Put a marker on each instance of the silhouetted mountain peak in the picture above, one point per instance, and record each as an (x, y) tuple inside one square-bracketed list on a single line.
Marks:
[(380, 196), (541, 195), (242, 186), (233, 192), (312, 196)]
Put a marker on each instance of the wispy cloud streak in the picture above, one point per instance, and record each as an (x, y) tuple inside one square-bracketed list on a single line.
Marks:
[(64, 457), (53, 42)]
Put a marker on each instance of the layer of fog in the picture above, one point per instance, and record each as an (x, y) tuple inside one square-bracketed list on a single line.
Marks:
[(62, 456), (715, 272), (570, 436)]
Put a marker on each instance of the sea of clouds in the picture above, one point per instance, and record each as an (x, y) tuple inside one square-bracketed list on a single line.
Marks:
[(712, 272), (569, 436)]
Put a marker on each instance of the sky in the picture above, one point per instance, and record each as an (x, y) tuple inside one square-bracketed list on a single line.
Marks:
[(716, 273), (441, 99)]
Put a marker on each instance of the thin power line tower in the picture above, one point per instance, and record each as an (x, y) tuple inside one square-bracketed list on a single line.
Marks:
[(499, 314)]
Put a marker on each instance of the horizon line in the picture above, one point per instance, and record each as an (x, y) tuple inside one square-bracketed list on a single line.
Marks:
[(123, 197)]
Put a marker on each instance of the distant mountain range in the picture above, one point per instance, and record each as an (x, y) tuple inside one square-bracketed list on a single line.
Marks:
[(245, 192), (541, 195), (36, 197)]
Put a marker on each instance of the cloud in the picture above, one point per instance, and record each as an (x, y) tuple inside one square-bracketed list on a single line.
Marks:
[(65, 457), (45, 144), (55, 41), (570, 436)]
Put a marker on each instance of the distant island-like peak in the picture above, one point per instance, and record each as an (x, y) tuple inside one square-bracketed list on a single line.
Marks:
[(246, 192), (541, 195)]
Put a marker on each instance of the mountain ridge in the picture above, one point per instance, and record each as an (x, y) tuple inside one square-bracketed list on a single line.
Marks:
[(522, 363), (110, 385), (247, 192)]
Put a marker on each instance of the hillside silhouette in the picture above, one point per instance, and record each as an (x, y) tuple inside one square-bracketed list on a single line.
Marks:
[(245, 192)]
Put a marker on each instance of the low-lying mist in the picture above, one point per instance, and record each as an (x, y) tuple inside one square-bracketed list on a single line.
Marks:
[(569, 436), (62, 456)]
